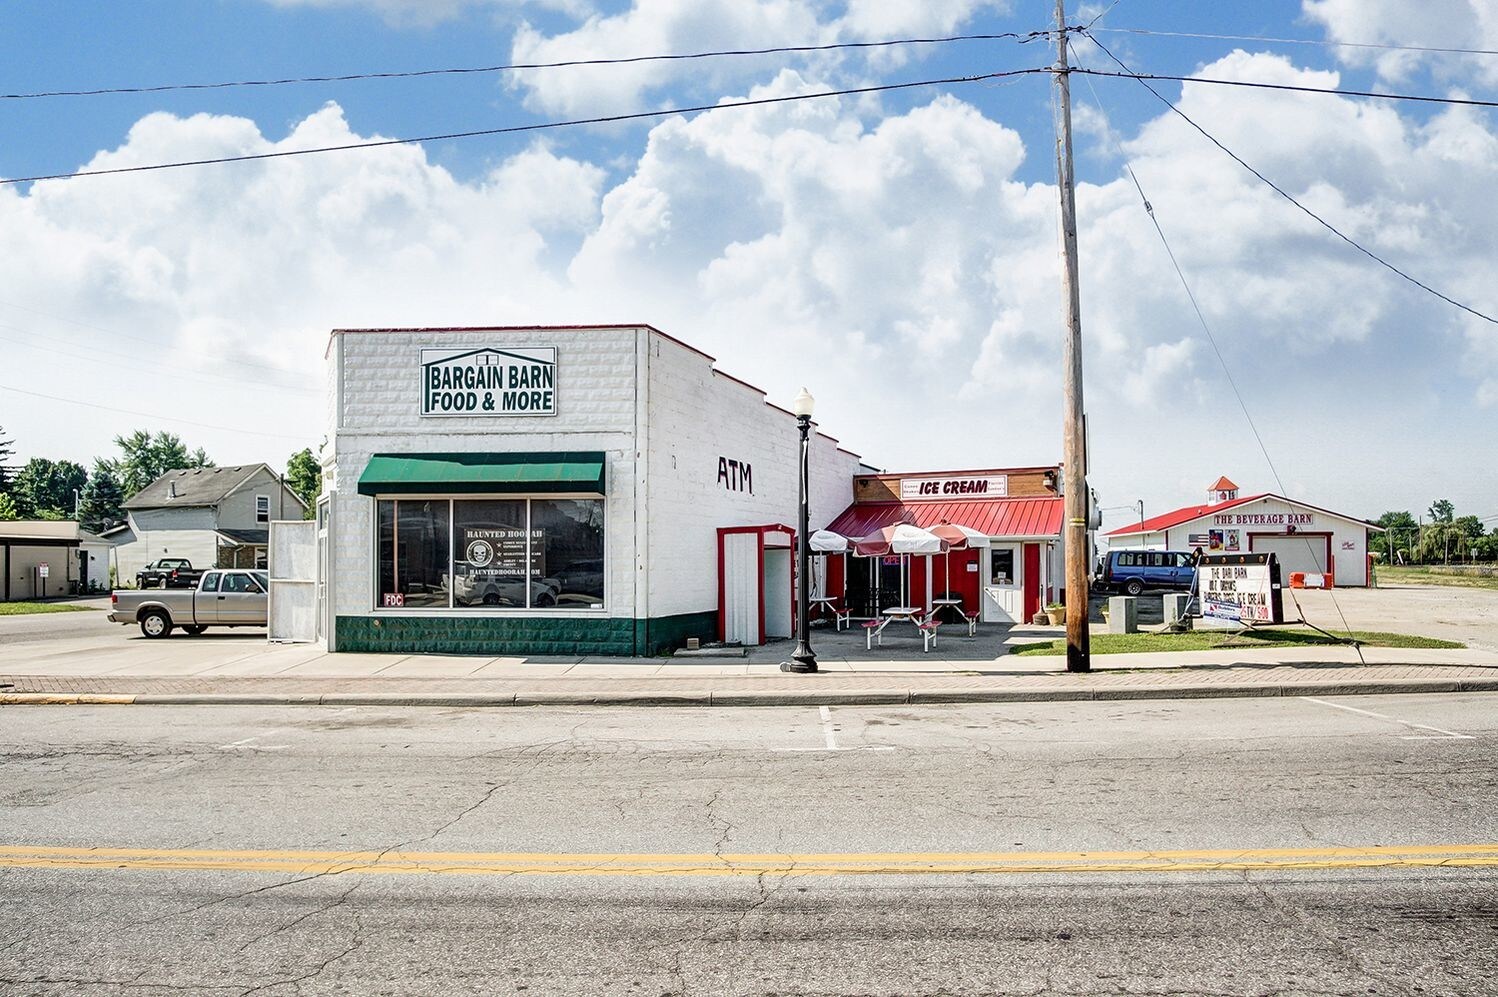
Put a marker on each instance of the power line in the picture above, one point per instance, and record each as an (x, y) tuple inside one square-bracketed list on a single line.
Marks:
[(516, 129), (1289, 197), (152, 415), (518, 66), (1467, 101), (1105, 13), (1302, 41), (1227, 372)]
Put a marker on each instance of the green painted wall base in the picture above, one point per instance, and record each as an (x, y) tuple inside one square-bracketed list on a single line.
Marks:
[(522, 635)]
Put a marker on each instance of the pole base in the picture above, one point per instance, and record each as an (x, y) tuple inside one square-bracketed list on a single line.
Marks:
[(802, 662)]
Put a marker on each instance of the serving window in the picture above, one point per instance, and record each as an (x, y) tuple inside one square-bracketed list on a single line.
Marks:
[(490, 553)]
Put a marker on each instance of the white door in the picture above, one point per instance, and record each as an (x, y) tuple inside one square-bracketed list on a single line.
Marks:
[(1003, 589), (323, 627), (741, 588), (777, 592), (294, 557)]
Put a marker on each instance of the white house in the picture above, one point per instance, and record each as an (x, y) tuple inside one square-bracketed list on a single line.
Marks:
[(213, 516), (1304, 537)]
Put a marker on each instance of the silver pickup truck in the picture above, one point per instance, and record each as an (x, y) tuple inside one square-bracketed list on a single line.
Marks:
[(223, 598)]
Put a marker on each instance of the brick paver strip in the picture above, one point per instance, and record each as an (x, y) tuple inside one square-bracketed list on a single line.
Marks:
[(774, 689)]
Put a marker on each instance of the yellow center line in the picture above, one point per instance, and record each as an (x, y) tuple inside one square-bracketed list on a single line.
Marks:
[(689, 864)]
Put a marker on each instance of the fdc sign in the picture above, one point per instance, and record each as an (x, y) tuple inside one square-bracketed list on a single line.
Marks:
[(486, 381)]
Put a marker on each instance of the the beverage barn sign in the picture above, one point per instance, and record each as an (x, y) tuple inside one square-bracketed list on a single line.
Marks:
[(917, 489), (1241, 587), (486, 381)]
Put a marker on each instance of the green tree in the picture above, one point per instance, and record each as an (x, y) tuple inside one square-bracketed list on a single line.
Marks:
[(144, 458), (1441, 511), (1401, 534), (8, 510), (6, 452), (304, 476), (44, 489), (102, 500)]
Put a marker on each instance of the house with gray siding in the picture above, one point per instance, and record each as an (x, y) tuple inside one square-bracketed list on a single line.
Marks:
[(214, 516)]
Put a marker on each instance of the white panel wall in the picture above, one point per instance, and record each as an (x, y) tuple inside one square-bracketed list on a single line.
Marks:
[(741, 588), (292, 556), (379, 413), (695, 417)]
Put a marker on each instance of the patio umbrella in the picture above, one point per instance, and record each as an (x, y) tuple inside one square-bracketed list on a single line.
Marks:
[(827, 542), (901, 539), (958, 538)]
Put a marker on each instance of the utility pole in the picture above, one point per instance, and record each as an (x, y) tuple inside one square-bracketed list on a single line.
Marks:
[(1074, 443)]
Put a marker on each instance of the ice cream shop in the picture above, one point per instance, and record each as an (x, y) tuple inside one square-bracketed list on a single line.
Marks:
[(1000, 556)]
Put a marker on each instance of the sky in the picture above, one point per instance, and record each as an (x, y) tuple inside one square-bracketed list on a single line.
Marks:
[(896, 253)]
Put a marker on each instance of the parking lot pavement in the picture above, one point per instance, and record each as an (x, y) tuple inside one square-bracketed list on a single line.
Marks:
[(1469, 615)]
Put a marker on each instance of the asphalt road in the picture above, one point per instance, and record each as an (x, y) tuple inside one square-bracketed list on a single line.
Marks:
[(34, 627), (1345, 846)]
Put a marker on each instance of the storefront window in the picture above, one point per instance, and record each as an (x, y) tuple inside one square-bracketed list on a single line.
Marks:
[(567, 552), (415, 541), (489, 553)]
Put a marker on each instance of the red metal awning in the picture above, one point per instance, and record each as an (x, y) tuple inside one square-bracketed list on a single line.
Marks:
[(1017, 517)]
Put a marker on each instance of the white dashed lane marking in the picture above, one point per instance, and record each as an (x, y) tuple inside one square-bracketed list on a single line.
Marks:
[(1440, 734)]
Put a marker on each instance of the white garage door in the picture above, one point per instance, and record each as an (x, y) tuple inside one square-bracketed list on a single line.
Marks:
[(1295, 553)]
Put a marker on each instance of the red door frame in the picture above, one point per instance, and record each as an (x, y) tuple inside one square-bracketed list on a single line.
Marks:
[(760, 532), (1331, 563)]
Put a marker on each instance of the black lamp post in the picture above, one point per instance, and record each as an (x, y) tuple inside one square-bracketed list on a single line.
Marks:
[(802, 659)]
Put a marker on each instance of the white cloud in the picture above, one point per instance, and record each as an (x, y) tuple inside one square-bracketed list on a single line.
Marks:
[(1469, 24), (426, 13), (897, 266), (649, 27)]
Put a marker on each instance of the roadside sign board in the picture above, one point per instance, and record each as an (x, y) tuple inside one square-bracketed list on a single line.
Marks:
[(43, 569), (1240, 587)]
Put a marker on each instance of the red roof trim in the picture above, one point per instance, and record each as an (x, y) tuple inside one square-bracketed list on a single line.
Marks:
[(1018, 517), (605, 327), (1169, 520), (609, 327)]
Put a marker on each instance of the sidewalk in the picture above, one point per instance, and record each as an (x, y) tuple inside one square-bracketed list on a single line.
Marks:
[(234, 668)]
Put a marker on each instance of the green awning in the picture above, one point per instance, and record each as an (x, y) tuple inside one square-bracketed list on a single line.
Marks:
[(510, 473)]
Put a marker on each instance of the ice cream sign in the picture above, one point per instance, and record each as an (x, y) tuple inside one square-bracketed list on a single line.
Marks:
[(916, 489), (487, 381)]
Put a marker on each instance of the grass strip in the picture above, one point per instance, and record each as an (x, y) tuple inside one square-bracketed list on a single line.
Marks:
[(27, 608), (1387, 575)]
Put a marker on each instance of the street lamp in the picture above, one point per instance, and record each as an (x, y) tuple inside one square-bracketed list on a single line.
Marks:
[(802, 659)]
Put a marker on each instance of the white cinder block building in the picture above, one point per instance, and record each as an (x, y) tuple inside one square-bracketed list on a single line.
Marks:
[(551, 490)]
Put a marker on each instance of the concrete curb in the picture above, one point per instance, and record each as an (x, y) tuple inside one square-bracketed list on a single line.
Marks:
[(741, 698)]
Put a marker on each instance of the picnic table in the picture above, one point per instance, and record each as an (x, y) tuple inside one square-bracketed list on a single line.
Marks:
[(937, 605), (829, 606), (874, 629)]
